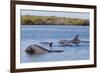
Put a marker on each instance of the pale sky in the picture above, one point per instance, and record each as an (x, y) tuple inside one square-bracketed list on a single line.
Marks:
[(82, 15)]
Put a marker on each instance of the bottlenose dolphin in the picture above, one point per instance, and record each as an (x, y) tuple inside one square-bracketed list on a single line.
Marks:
[(36, 49), (75, 41)]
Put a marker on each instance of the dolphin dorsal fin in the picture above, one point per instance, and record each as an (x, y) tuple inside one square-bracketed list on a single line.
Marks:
[(76, 37)]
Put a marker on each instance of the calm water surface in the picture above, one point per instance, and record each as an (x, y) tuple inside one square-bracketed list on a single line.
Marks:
[(34, 34)]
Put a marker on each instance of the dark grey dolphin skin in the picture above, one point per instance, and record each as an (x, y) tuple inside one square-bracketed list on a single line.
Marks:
[(36, 49), (44, 42), (75, 41)]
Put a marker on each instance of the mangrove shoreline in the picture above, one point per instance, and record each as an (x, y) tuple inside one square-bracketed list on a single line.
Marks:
[(52, 20)]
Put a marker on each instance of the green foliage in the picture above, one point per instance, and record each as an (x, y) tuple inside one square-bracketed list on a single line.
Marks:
[(52, 20)]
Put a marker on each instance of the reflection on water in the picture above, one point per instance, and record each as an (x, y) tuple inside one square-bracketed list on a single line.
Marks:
[(34, 34)]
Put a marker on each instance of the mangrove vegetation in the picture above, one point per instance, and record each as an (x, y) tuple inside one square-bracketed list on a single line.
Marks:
[(52, 20)]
